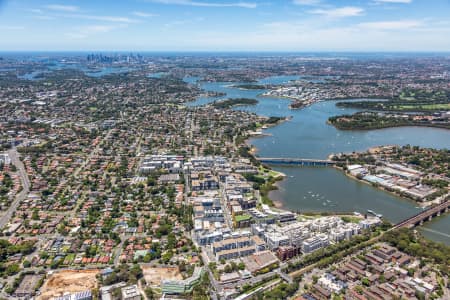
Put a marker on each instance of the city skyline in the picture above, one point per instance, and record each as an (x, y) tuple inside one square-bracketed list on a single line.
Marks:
[(210, 25)]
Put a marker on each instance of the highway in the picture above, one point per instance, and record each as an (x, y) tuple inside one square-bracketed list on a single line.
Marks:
[(25, 181)]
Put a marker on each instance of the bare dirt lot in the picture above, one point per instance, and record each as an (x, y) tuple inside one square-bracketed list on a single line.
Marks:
[(69, 281), (154, 275)]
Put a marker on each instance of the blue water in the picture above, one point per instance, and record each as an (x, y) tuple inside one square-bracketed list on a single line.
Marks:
[(32, 75), (54, 66), (307, 135)]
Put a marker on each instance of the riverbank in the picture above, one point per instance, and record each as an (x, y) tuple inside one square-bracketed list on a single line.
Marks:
[(390, 126), (275, 201), (271, 184), (423, 205), (307, 135), (229, 103), (248, 87), (266, 179), (373, 121), (270, 122), (296, 103)]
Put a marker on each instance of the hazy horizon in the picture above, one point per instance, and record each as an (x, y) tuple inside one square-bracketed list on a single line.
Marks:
[(225, 26)]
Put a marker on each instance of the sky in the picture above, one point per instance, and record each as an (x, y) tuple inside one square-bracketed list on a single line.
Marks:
[(225, 25)]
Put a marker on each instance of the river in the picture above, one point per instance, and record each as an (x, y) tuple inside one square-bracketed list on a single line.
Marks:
[(307, 135)]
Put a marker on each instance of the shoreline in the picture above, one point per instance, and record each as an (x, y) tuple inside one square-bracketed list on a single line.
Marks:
[(418, 204), (253, 150), (293, 100), (281, 176), (278, 203), (387, 127)]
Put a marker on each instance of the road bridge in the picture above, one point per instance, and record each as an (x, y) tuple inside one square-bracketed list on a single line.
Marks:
[(307, 162)]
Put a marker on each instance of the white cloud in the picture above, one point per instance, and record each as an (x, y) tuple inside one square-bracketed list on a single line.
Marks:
[(45, 18), (394, 1), (391, 25), (98, 28), (113, 19), (306, 2), (143, 14), (179, 23), (207, 4), (341, 12), (66, 8), (36, 11), (66, 13), (86, 31), (302, 35)]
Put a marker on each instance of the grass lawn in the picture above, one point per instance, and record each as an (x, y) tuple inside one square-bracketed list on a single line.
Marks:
[(351, 219), (265, 173), (240, 218), (70, 257), (444, 106)]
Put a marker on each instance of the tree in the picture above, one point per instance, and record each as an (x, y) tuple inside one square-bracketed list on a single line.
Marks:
[(228, 269), (420, 295), (135, 273), (241, 266), (149, 293), (359, 289), (12, 269), (26, 264), (315, 279), (365, 281), (35, 215), (117, 293)]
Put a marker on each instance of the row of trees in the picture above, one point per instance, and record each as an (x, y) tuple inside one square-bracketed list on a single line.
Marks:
[(328, 255), (413, 244)]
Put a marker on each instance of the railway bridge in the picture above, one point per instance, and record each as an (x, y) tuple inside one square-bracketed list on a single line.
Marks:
[(424, 216)]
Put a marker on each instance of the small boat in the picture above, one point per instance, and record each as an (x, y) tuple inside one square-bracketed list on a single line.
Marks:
[(375, 214)]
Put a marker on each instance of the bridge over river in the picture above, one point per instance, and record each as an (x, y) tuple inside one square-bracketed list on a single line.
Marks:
[(296, 161), (424, 216)]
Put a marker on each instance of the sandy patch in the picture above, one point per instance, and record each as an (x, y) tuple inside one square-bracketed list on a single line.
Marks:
[(70, 281), (154, 275)]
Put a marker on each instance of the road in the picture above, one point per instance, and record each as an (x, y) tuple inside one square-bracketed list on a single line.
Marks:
[(91, 154), (119, 250), (251, 281), (82, 167), (25, 181), (223, 203)]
